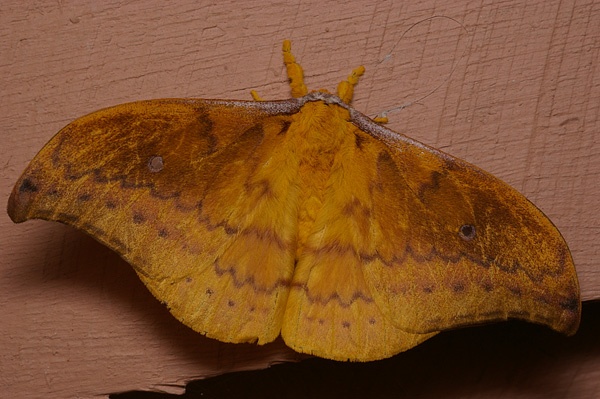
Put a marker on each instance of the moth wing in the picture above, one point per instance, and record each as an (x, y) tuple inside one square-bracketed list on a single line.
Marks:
[(181, 190), (453, 245), (411, 241)]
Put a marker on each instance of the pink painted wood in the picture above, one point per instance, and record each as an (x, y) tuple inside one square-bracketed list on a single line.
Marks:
[(517, 94)]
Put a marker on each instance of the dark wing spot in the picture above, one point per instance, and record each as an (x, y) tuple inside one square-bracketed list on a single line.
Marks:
[(487, 286), (84, 197), (68, 218), (358, 141), (570, 304), (458, 287), (163, 233), (28, 186), (432, 186), (230, 230), (155, 164), (516, 290), (284, 127), (467, 232), (138, 218)]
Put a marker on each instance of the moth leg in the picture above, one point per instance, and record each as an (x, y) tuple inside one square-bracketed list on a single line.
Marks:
[(294, 71), (381, 119), (256, 96)]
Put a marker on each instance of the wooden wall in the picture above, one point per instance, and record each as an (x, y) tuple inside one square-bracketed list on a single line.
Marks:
[(514, 87)]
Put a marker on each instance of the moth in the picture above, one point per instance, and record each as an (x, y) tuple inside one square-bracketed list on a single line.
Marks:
[(302, 218)]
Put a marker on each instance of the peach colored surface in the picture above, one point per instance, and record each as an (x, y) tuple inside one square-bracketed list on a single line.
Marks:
[(518, 94)]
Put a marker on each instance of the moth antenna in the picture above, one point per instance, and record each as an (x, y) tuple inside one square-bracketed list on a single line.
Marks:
[(345, 89), (294, 71)]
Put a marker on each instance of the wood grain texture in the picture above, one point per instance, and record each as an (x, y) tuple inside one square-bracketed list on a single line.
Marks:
[(522, 103)]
